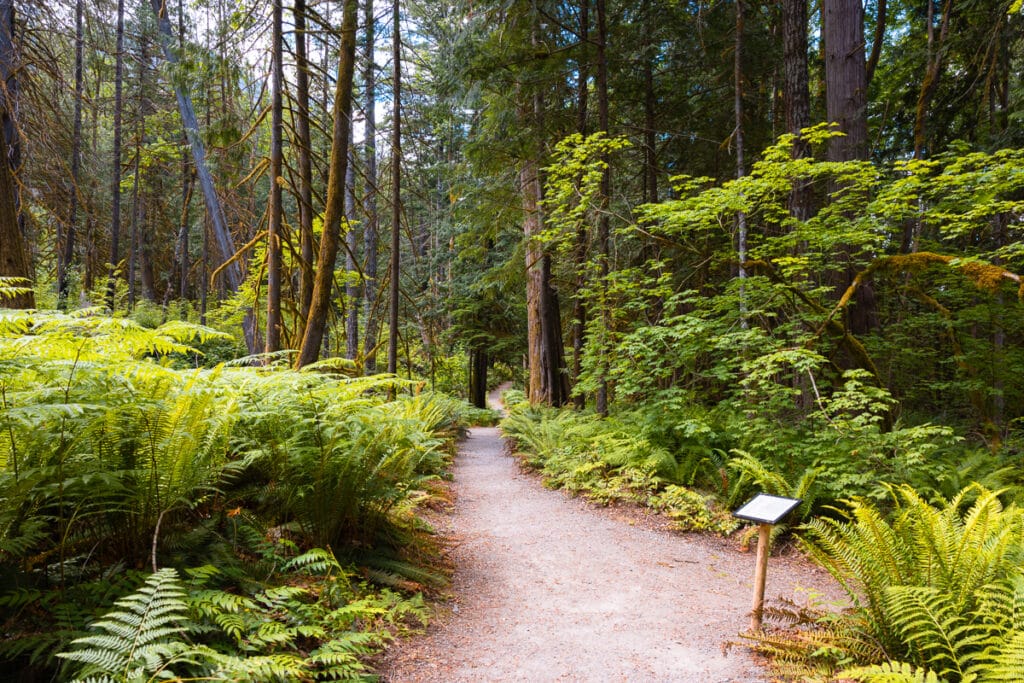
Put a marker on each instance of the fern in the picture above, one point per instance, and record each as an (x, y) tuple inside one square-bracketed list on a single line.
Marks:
[(112, 457), (941, 637), (938, 587), (316, 561), (1005, 662), (892, 672), (142, 635)]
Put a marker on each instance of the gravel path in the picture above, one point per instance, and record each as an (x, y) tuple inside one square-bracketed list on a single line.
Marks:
[(548, 588)]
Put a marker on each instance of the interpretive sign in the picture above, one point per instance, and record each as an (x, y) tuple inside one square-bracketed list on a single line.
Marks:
[(766, 509)]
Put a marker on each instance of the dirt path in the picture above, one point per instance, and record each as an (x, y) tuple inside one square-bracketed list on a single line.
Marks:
[(547, 588)]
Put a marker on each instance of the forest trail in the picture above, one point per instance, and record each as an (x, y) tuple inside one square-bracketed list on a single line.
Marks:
[(548, 588)]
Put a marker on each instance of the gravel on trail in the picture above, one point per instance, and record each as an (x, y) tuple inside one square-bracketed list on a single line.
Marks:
[(549, 588)]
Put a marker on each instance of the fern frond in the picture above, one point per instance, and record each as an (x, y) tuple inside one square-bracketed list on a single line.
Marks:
[(932, 626), (1005, 660), (891, 672), (140, 635), (314, 561)]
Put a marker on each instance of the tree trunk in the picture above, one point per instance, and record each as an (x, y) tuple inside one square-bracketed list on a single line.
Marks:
[(316, 322), (796, 94), (67, 247), (147, 274), (396, 186), (370, 234), (115, 183), (478, 362), (9, 66), (579, 311), (650, 111), (182, 262), (204, 271), (846, 78), (352, 298), (273, 339), (553, 348), (741, 169), (846, 104), (232, 272), (305, 164), (133, 239), (529, 183), (14, 256), (186, 185), (933, 71), (603, 220), (877, 40)]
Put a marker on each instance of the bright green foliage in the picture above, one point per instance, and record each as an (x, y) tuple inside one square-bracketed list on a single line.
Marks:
[(111, 459), (693, 511), (13, 286), (893, 673), (937, 587), (610, 461), (340, 460), (322, 630), (573, 184), (138, 639)]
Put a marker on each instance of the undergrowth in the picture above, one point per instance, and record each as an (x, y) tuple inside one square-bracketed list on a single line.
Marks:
[(117, 465), (936, 594), (609, 461)]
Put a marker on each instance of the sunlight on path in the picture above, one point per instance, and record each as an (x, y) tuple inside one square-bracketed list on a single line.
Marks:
[(548, 589)]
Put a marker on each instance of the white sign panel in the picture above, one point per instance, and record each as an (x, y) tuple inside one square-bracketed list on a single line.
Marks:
[(766, 509)]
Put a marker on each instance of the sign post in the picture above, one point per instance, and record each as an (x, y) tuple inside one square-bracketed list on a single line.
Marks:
[(766, 510)]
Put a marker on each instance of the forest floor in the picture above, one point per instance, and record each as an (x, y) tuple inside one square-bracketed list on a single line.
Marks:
[(552, 588)]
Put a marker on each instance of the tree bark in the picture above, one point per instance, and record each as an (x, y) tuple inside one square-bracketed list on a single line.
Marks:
[(741, 169), (115, 183), (232, 272), (529, 183), (846, 104), (370, 233), (133, 239), (478, 362), (305, 163), (846, 78), (396, 186), (14, 255), (650, 109), (67, 246), (603, 223), (933, 71), (579, 311), (187, 184), (352, 298), (273, 338), (316, 322), (877, 40), (797, 96)]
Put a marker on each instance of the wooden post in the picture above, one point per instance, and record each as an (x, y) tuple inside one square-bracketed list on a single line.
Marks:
[(760, 574)]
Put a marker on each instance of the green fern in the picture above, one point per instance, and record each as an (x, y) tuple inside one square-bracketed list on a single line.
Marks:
[(141, 636), (892, 672), (1005, 659), (938, 587), (938, 635)]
